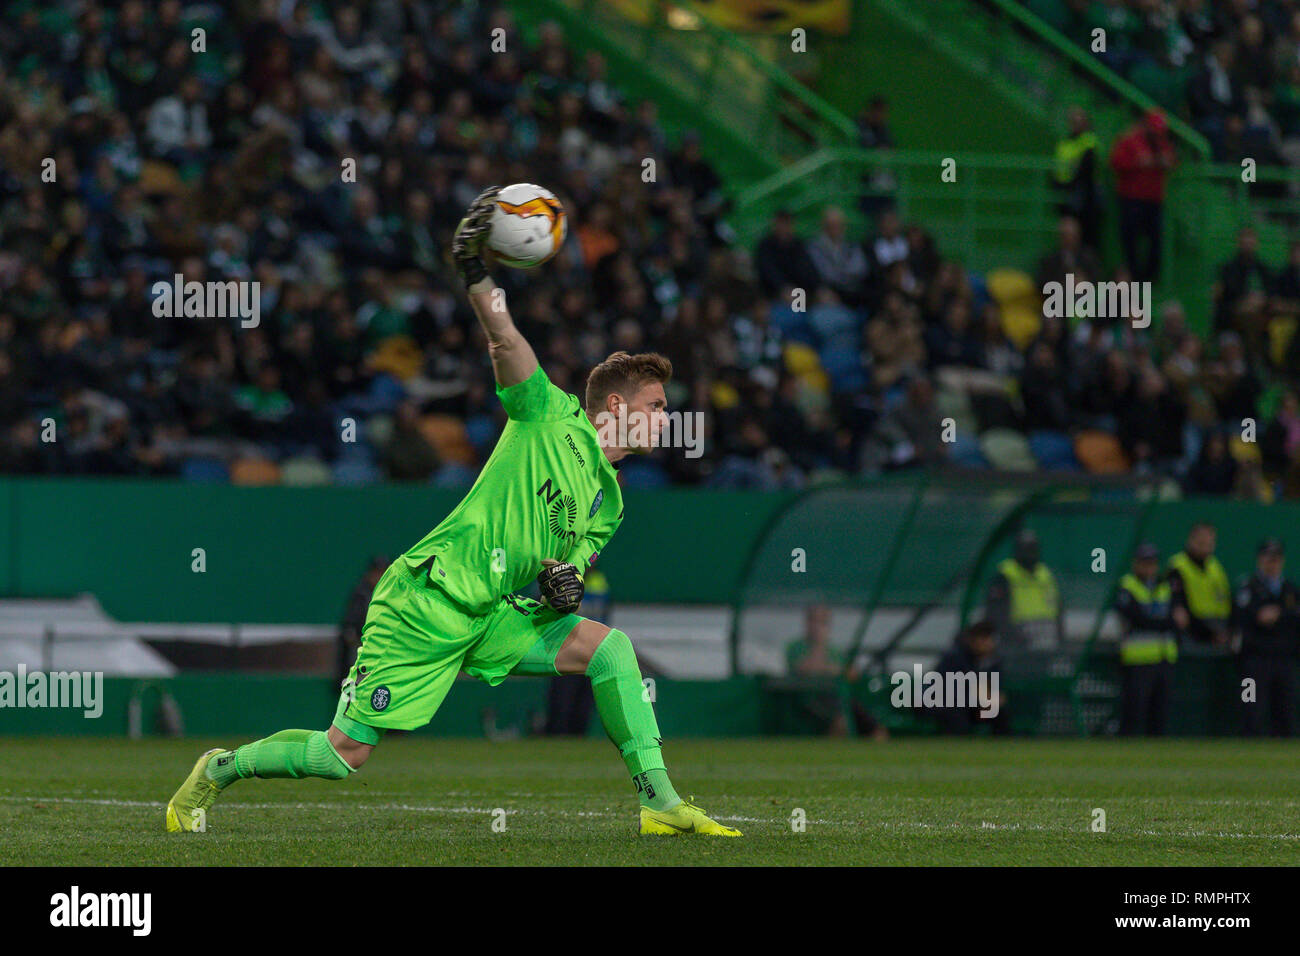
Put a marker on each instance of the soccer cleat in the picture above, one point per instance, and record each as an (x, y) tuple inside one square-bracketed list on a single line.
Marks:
[(682, 819), (196, 793)]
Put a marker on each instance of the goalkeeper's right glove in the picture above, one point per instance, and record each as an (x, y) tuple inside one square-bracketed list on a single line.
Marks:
[(561, 585), (467, 243)]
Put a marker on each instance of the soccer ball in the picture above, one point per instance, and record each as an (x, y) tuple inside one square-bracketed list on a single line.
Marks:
[(527, 226)]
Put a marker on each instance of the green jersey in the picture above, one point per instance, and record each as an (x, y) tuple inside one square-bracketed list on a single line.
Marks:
[(547, 491)]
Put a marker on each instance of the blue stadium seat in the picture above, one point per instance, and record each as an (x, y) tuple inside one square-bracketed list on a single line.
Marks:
[(356, 470), (1054, 451), (844, 366), (642, 473), (966, 451), (454, 475), (205, 469)]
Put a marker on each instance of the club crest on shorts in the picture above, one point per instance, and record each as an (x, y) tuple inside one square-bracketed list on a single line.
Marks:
[(379, 698), (595, 505)]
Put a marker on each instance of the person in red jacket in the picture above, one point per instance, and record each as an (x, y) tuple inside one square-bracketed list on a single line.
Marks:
[(1142, 159)]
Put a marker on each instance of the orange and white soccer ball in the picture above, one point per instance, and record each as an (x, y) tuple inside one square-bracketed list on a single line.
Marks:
[(527, 227)]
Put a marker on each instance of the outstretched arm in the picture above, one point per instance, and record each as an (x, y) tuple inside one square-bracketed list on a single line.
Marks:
[(513, 359)]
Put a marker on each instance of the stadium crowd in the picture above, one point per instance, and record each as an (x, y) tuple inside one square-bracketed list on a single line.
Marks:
[(366, 363), (1230, 67)]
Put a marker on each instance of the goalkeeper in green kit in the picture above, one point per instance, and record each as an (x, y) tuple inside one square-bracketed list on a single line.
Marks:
[(543, 507)]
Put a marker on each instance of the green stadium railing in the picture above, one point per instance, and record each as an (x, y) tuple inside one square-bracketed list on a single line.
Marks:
[(755, 115), (778, 144), (999, 212)]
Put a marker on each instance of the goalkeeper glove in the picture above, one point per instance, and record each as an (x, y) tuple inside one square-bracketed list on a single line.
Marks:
[(467, 243), (561, 586)]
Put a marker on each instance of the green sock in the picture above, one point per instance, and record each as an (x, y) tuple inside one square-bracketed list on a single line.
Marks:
[(289, 753), (629, 719)]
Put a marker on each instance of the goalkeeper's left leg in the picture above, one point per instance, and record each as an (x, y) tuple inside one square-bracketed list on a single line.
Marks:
[(577, 645)]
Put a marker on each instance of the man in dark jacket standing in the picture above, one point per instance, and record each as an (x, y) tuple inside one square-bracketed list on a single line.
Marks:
[(1268, 616)]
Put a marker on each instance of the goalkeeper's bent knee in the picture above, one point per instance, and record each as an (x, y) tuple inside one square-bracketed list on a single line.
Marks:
[(613, 657)]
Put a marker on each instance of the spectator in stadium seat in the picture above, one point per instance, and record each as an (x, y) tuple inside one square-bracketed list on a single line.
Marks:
[(1215, 471), (841, 264), (1141, 160), (1148, 646), (909, 434), (1043, 391), (1267, 616), (1280, 441), (1023, 601), (1151, 423), (408, 456), (1200, 592), (1232, 382), (950, 341), (1243, 286), (975, 651), (895, 339)]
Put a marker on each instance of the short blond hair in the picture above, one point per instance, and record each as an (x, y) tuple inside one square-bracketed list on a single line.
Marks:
[(627, 375)]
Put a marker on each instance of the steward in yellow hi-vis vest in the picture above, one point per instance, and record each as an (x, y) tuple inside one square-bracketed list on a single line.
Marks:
[(1148, 647), (1202, 595), (1024, 602)]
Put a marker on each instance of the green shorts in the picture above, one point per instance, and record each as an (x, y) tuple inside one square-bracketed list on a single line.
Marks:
[(415, 641)]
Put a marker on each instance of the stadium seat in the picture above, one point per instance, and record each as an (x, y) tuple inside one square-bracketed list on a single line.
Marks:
[(833, 321), (481, 430), (1007, 449), (1021, 305), (158, 178), (356, 471), (1053, 450), (1100, 453), (802, 362), (305, 471), (1280, 332), (455, 475), (204, 469), (1244, 452), (447, 435), (966, 451), (955, 403), (792, 326), (379, 430), (844, 366), (399, 356), (724, 395), (643, 473), (254, 471)]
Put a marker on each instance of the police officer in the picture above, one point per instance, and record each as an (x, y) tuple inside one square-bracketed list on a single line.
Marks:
[(1269, 620), (1023, 601), (1202, 596), (1148, 647)]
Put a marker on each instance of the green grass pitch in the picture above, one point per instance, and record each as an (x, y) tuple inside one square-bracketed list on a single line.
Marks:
[(429, 801)]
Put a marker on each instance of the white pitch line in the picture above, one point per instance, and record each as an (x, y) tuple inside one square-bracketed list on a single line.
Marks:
[(869, 824), (156, 805)]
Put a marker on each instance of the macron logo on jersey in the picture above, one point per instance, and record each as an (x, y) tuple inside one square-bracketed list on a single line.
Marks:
[(576, 454)]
